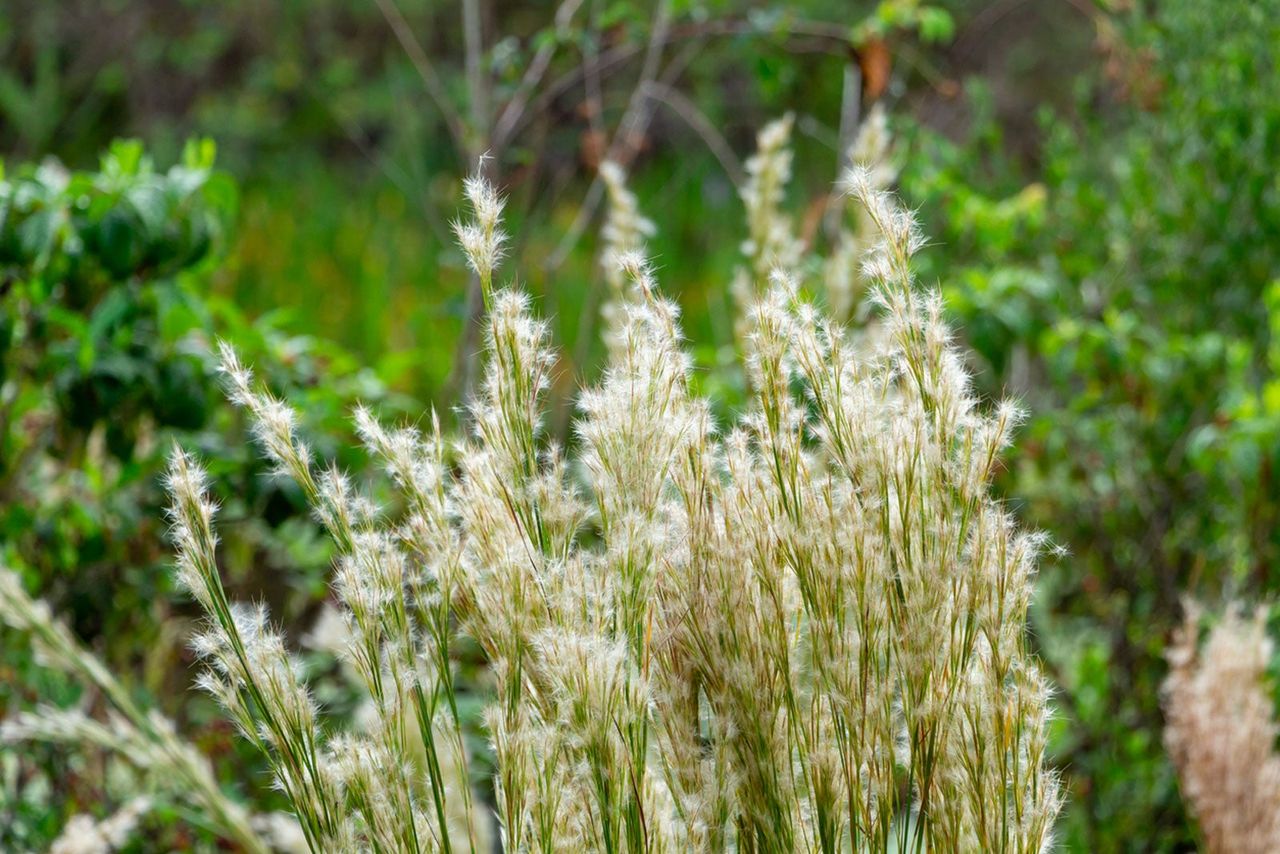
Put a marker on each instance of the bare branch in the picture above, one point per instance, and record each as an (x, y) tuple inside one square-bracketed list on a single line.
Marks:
[(701, 125), (477, 87), (430, 79), (835, 37), (632, 122), (850, 112), (514, 110)]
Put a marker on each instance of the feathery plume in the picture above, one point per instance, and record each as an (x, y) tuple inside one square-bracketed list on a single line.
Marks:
[(1220, 730)]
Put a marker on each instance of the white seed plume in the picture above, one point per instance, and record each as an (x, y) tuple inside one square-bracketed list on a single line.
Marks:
[(482, 239), (842, 274), (143, 738), (771, 244), (85, 835), (1221, 731), (624, 233)]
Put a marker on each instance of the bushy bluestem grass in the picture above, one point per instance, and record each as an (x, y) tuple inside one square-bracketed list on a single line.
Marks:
[(1220, 730), (802, 631), (144, 738), (772, 242), (84, 835)]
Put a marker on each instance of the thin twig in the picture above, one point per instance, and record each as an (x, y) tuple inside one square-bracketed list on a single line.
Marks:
[(591, 75), (467, 359), (633, 121), (850, 112), (833, 34), (477, 90), (702, 126), (533, 75), (430, 79)]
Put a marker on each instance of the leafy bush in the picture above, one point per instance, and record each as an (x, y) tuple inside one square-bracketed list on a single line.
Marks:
[(92, 362), (105, 358), (1125, 298)]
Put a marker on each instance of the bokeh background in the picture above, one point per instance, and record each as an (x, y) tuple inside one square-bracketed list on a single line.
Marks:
[(1097, 178)]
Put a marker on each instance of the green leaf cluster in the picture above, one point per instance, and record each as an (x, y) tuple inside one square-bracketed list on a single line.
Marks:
[(106, 330)]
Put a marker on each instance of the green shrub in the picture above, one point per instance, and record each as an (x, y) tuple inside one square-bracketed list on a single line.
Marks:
[(105, 356), (1126, 299)]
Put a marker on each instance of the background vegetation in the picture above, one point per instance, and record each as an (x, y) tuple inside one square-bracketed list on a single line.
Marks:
[(1098, 178)]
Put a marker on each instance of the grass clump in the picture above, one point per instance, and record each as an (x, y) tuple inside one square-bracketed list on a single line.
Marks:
[(801, 631)]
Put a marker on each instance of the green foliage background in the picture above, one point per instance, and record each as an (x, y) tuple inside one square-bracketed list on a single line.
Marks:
[(1097, 179)]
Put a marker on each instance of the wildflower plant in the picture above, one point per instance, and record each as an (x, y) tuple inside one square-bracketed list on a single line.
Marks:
[(803, 631)]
